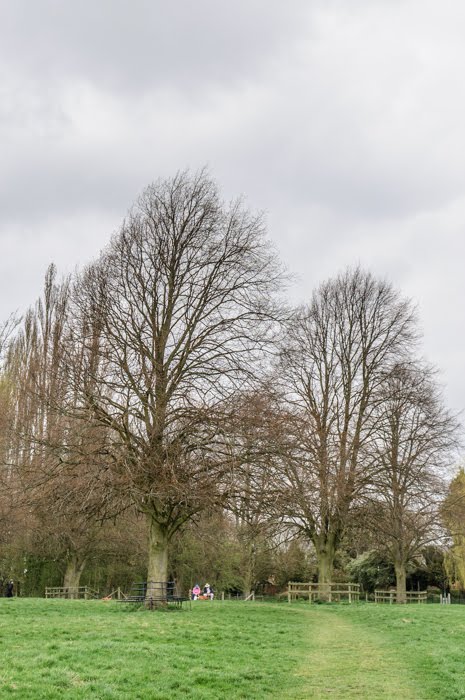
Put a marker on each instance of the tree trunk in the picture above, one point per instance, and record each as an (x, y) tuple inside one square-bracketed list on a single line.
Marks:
[(325, 566), (325, 551), (401, 582), (157, 570), (72, 577), (249, 569)]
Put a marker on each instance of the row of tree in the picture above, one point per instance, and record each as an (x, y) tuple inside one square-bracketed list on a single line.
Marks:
[(170, 381)]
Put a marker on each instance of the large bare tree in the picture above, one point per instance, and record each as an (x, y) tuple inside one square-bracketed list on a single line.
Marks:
[(415, 435), (180, 311), (335, 355)]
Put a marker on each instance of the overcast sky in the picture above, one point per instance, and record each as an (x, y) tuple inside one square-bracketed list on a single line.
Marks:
[(342, 119)]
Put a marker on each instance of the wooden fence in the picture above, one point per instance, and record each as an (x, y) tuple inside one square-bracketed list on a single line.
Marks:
[(71, 592), (331, 592), (390, 596)]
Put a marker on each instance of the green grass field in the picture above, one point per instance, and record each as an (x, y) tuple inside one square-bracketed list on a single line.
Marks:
[(94, 650)]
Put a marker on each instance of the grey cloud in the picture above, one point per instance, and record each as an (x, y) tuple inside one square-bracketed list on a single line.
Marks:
[(344, 121), (134, 46), (334, 125)]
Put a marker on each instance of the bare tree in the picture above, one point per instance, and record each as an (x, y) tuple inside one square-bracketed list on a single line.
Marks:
[(256, 436), (7, 330), (180, 309), (335, 355), (50, 458), (414, 438)]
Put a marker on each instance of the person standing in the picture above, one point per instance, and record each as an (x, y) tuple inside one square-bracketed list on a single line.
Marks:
[(9, 589)]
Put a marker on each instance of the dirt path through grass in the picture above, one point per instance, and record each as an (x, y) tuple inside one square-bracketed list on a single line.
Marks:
[(347, 661)]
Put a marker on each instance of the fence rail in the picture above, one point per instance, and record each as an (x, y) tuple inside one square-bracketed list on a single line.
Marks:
[(391, 596), (331, 592), (154, 594), (71, 592)]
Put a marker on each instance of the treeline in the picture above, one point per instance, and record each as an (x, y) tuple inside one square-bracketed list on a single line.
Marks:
[(165, 413)]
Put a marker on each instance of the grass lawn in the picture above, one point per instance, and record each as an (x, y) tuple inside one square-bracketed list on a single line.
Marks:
[(86, 650), (385, 651)]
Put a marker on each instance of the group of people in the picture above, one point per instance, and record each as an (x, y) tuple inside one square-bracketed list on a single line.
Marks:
[(206, 593)]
